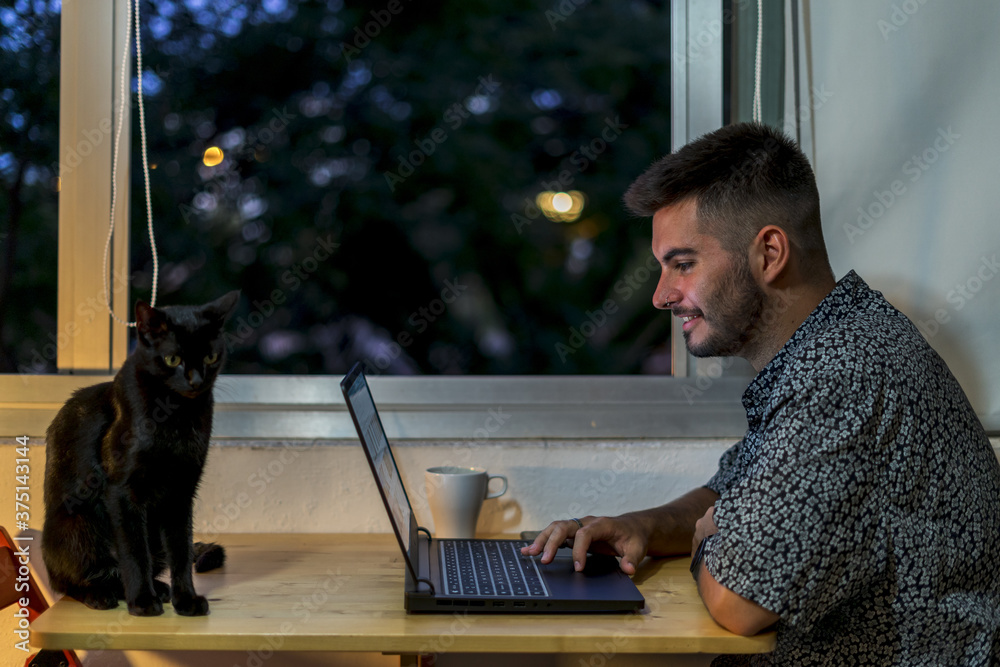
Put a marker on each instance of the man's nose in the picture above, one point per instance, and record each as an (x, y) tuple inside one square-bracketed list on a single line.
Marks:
[(666, 295)]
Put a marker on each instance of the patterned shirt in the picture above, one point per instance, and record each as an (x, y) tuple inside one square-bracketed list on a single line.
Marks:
[(863, 504)]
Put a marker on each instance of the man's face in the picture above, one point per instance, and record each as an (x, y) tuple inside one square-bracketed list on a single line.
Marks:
[(714, 292)]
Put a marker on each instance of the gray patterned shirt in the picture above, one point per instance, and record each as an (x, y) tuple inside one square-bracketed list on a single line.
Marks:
[(863, 504)]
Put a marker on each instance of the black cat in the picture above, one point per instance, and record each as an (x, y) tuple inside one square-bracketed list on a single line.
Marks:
[(123, 465)]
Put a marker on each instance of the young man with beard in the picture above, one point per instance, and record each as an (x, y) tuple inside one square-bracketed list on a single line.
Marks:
[(861, 510)]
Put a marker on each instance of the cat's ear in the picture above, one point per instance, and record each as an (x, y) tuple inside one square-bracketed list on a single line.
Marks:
[(149, 320), (222, 308)]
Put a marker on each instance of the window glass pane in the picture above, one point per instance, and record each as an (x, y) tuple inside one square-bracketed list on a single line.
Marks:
[(29, 150), (433, 188)]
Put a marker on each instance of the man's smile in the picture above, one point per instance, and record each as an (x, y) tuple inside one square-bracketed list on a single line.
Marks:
[(688, 320)]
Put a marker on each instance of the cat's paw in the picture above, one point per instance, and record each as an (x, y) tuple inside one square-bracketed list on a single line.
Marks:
[(191, 605), (98, 599), (145, 604), (161, 590)]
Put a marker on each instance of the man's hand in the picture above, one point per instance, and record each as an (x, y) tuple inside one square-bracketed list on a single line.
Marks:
[(623, 536), (661, 531), (704, 527)]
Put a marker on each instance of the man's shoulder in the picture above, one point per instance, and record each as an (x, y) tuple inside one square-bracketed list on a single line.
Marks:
[(872, 346), (872, 328)]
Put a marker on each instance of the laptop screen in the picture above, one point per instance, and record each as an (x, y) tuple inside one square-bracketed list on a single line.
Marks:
[(376, 445)]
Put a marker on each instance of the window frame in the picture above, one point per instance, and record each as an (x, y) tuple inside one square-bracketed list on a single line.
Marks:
[(696, 401), (89, 340)]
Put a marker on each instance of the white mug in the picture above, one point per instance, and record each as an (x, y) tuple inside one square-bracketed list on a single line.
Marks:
[(455, 496)]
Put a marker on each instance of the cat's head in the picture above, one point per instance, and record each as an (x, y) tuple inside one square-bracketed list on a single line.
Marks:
[(183, 345)]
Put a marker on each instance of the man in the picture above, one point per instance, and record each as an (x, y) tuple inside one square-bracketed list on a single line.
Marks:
[(861, 510)]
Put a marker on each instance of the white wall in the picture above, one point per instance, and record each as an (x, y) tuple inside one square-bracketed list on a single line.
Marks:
[(903, 97), (328, 487)]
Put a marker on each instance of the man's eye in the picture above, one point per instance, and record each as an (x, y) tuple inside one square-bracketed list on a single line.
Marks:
[(172, 360), (211, 358), (684, 266)]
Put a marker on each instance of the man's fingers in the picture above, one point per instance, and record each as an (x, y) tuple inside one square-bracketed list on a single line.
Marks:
[(550, 540), (535, 547), (581, 542), (556, 540), (633, 555), (607, 536)]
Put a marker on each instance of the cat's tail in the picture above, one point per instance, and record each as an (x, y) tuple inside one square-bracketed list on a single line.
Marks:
[(208, 556)]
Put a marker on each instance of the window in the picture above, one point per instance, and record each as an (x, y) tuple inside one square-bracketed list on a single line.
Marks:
[(431, 189), (424, 407)]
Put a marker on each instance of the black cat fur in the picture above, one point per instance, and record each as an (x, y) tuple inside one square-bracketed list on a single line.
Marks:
[(123, 466)]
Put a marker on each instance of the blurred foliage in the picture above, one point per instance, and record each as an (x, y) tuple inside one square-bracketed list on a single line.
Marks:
[(374, 198), (29, 147)]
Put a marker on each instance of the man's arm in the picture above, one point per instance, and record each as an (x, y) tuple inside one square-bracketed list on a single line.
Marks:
[(661, 531), (730, 610), (671, 526)]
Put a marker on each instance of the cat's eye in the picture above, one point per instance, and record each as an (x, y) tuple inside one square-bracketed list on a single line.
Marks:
[(211, 358), (172, 360)]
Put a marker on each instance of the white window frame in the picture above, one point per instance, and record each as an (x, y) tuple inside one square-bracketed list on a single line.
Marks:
[(694, 402)]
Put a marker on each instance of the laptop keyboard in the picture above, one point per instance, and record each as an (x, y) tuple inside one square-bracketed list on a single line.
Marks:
[(492, 568)]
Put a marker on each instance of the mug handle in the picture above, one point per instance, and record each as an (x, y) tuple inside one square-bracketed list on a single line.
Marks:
[(499, 493)]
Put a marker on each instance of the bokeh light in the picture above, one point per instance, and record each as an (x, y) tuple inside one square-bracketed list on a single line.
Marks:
[(561, 206), (213, 156)]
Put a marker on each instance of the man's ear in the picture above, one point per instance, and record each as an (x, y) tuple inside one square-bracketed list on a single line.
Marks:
[(771, 251)]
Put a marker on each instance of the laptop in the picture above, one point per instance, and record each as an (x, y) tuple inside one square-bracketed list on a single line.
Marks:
[(478, 575)]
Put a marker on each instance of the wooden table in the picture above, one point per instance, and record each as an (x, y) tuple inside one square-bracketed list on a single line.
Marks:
[(310, 592)]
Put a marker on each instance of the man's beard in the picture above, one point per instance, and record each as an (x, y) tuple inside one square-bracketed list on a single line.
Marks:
[(731, 312)]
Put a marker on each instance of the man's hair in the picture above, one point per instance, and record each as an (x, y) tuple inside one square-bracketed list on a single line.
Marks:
[(743, 177)]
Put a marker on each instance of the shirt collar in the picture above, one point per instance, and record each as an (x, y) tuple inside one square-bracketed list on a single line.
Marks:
[(838, 304)]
